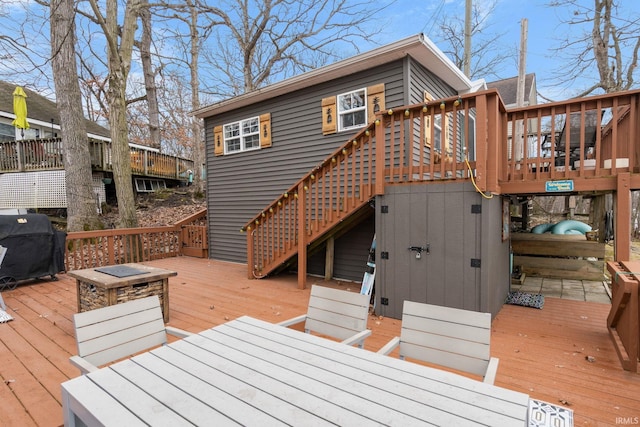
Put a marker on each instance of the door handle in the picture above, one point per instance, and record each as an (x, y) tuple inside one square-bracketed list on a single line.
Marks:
[(419, 249)]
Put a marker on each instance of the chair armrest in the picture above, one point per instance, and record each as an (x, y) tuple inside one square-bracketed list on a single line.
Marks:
[(358, 338), (492, 369), (84, 366), (293, 321), (388, 347), (176, 332)]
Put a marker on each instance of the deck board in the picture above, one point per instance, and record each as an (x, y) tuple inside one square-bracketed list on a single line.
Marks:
[(542, 352)]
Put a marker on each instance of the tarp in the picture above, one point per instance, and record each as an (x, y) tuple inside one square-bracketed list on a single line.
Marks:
[(33, 247)]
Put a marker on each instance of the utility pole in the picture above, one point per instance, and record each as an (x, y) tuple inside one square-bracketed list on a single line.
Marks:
[(522, 70), (467, 39)]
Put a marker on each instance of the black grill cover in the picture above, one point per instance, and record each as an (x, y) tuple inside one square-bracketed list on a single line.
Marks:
[(33, 247)]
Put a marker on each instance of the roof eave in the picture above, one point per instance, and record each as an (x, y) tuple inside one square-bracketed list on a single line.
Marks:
[(418, 47)]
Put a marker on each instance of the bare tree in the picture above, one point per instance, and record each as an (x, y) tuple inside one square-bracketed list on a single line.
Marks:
[(258, 42), (81, 204), (487, 54), (151, 95), (119, 40), (608, 42)]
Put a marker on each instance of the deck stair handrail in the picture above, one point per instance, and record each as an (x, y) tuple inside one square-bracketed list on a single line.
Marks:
[(345, 181)]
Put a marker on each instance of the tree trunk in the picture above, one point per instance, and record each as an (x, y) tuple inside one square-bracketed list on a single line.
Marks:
[(121, 155), (196, 124), (149, 76), (82, 213)]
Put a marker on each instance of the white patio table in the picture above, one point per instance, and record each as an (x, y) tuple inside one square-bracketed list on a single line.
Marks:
[(251, 372)]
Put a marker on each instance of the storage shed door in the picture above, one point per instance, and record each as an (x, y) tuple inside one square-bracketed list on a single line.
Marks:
[(440, 220)]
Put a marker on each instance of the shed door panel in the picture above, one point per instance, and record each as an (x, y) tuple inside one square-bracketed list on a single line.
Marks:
[(440, 217)]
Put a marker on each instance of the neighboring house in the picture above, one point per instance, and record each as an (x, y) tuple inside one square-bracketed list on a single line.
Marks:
[(43, 117), (261, 143), (43, 188), (508, 89), (31, 160)]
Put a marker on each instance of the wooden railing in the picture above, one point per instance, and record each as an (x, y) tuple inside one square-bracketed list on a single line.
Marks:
[(90, 249), (623, 321), (580, 139), (47, 154)]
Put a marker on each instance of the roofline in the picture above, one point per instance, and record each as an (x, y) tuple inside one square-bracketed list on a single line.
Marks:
[(417, 46)]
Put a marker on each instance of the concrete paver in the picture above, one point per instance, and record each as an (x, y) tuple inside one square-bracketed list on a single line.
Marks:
[(581, 290)]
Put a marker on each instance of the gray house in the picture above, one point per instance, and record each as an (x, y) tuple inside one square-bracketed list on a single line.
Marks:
[(269, 151)]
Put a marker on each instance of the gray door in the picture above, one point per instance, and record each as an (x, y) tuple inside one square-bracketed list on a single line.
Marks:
[(429, 247)]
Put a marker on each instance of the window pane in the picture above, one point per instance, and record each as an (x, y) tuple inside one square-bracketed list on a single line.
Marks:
[(231, 130), (358, 99), (252, 141), (233, 145), (250, 126), (7, 132)]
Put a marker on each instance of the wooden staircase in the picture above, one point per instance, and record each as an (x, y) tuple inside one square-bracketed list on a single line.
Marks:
[(335, 193), (323, 199)]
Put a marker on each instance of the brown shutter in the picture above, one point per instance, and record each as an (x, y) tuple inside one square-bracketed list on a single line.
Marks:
[(265, 130), (218, 141), (329, 116), (375, 101)]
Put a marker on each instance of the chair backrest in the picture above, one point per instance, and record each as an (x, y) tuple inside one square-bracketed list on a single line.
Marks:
[(114, 332), (451, 337), (340, 314)]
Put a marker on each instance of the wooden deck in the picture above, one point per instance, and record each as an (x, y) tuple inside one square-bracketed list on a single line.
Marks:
[(542, 352)]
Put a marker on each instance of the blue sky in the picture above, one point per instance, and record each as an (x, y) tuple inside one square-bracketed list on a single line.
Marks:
[(403, 18), (409, 17)]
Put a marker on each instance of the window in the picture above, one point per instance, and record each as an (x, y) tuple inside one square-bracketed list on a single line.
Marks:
[(7, 132), (242, 136), (352, 110), (437, 132)]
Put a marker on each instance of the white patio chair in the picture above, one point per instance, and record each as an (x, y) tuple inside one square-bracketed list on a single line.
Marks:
[(451, 337), (110, 333), (339, 314)]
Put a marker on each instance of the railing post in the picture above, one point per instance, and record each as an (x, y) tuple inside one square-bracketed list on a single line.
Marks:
[(622, 225), (380, 158), (302, 237), (481, 141), (250, 254), (494, 125)]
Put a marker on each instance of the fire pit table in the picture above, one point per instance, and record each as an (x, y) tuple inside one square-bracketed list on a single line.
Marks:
[(105, 286)]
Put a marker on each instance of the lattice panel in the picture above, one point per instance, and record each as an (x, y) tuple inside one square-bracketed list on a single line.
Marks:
[(40, 190)]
